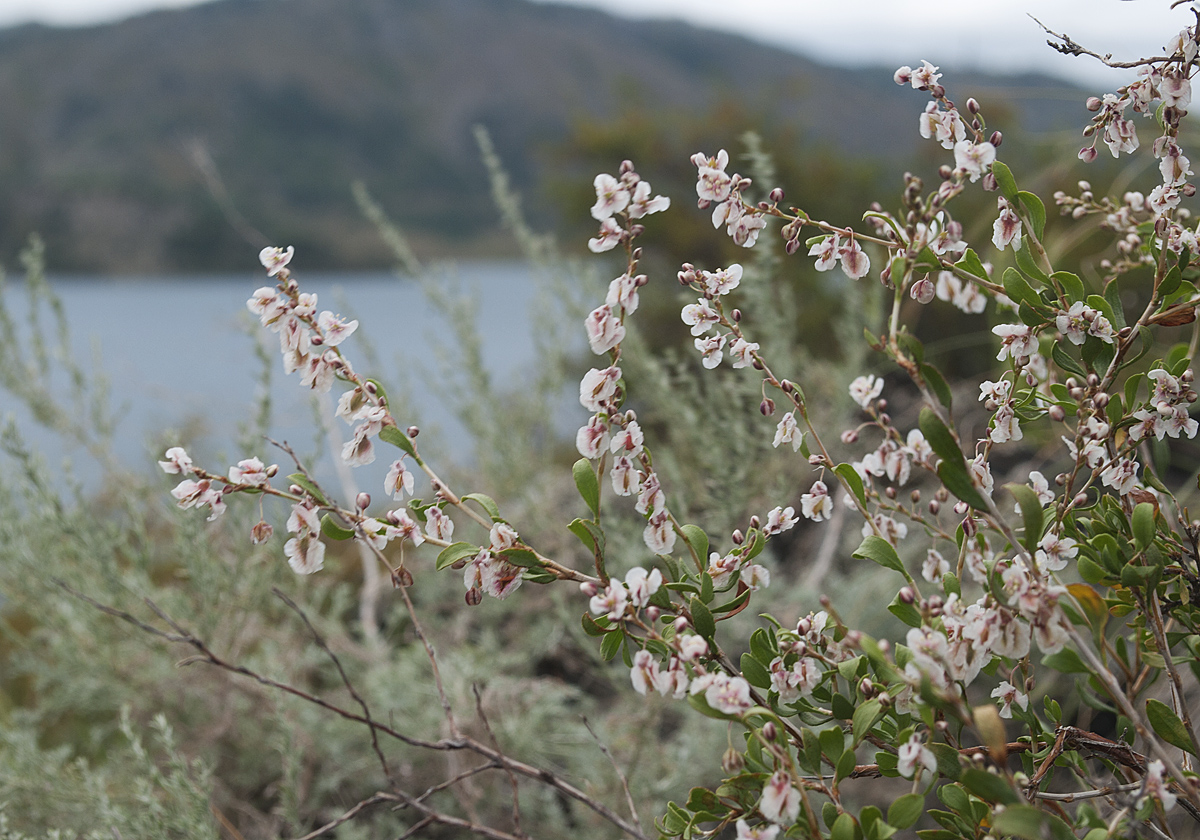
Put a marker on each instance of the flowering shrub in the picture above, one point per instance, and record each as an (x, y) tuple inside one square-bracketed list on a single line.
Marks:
[(1089, 566)]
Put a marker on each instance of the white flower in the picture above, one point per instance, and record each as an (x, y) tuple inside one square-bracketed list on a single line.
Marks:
[(334, 328), (780, 519), (780, 801), (642, 584), (659, 533), (865, 389), (275, 259), (723, 280), (611, 197), (788, 432), (604, 330), (178, 461), (398, 481), (643, 205), (608, 238), (915, 756), (817, 504), (974, 158), (305, 554), (1006, 230)]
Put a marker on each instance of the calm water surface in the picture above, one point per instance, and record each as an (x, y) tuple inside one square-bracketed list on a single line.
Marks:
[(179, 352)]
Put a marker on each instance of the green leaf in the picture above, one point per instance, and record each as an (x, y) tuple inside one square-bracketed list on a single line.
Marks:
[(1168, 726), (933, 377), (845, 765), (844, 828), (1031, 513), (905, 811), (593, 626), (971, 264), (1018, 289), (938, 436), (958, 481), (1031, 823), (907, 613), (761, 645), (1171, 282), (333, 530), (988, 786), (864, 717), (1071, 284), (853, 481), (308, 487), (398, 439), (454, 552), (487, 503), (1065, 661), (1116, 312), (1143, 525), (522, 557), (611, 644), (698, 540), (590, 534), (1025, 262), (754, 672), (587, 485), (880, 551), (1065, 361), (1006, 181), (1035, 210), (702, 619)]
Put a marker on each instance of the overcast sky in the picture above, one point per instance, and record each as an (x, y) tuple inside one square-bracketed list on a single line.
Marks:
[(991, 34)]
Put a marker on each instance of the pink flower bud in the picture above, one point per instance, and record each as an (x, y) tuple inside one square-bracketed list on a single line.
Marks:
[(1087, 154), (767, 406), (732, 761), (681, 625), (969, 525), (776, 195), (737, 537), (804, 626), (755, 522), (989, 183), (850, 436), (923, 291), (589, 589), (960, 508), (934, 506), (973, 105), (362, 501), (1093, 103), (769, 731), (907, 595), (996, 139), (652, 613), (792, 246), (474, 597), (401, 578), (261, 532), (413, 431)]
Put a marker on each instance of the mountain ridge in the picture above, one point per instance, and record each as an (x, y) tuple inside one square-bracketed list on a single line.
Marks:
[(105, 130)]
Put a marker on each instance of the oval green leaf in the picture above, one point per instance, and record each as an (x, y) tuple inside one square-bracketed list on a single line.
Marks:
[(587, 485)]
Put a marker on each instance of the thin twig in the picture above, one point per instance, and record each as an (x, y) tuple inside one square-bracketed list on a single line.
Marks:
[(374, 799), (616, 768), (512, 778), (362, 704), (485, 751)]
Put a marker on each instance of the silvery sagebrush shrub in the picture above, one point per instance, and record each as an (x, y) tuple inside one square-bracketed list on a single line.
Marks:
[(1087, 567)]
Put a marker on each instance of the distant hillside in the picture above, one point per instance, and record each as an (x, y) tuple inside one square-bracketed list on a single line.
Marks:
[(101, 128)]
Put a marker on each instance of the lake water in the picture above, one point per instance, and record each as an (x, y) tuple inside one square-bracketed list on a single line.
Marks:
[(180, 353)]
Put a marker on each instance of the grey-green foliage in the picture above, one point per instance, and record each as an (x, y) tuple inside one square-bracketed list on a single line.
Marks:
[(274, 765)]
